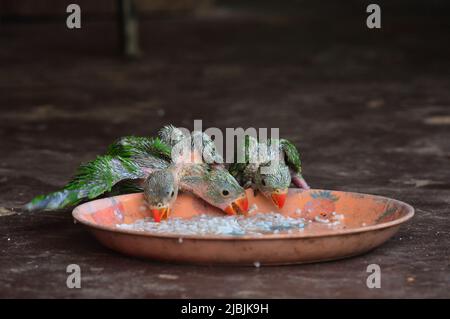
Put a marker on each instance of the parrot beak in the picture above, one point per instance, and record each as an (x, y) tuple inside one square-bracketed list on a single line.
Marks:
[(242, 203), (160, 213), (239, 205), (230, 210), (279, 197)]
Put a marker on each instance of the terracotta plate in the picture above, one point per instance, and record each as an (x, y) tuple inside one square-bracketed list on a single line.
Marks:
[(368, 222)]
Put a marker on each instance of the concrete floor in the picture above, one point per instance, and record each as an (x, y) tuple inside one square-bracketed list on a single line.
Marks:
[(370, 111)]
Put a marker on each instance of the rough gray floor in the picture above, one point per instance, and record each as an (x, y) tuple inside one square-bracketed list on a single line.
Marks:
[(369, 109)]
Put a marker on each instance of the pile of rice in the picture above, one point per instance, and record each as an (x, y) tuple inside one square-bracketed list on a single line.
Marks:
[(255, 224)]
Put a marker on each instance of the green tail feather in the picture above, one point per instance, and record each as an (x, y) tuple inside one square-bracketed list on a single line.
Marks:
[(91, 180), (136, 147), (54, 201)]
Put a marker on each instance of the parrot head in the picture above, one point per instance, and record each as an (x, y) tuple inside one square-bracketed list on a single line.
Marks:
[(160, 191), (224, 192), (216, 186), (274, 185)]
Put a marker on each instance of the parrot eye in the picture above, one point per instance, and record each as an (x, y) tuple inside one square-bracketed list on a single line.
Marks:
[(159, 205), (225, 192)]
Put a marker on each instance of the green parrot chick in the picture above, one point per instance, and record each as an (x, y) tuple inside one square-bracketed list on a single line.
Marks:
[(275, 183), (216, 186), (160, 191)]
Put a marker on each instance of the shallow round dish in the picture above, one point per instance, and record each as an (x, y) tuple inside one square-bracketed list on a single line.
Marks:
[(368, 222)]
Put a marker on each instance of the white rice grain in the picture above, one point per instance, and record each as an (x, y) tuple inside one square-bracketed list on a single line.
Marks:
[(321, 220)]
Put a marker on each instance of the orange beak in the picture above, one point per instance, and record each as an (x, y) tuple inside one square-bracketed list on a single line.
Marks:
[(242, 203), (279, 197), (230, 210), (239, 205), (160, 213)]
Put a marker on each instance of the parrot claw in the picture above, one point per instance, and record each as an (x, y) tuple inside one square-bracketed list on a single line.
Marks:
[(300, 182)]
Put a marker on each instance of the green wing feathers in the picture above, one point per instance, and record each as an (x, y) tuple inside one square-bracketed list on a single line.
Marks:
[(292, 156), (124, 160), (101, 174), (241, 159), (91, 180), (138, 147)]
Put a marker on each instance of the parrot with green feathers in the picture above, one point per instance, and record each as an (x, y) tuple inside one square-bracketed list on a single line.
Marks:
[(269, 167), (131, 158), (198, 168), (133, 164)]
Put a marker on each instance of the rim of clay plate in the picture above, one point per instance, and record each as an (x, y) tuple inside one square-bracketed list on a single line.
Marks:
[(339, 232)]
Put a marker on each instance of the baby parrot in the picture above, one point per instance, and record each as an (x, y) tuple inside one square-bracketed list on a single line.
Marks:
[(215, 185), (189, 172), (269, 167), (160, 192)]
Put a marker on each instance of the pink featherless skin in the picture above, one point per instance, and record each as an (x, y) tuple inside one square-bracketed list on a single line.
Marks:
[(300, 182)]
